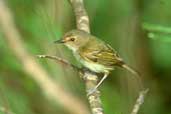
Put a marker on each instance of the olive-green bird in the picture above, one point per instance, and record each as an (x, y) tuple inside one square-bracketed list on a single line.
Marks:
[(93, 53)]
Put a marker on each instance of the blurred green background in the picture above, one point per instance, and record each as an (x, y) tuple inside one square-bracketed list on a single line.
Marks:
[(140, 30)]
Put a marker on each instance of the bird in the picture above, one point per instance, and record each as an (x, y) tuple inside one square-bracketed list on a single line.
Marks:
[(93, 53)]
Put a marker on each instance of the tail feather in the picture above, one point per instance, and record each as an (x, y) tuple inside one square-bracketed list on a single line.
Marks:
[(131, 70), (136, 73)]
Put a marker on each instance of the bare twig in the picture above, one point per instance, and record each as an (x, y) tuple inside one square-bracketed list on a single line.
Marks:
[(90, 78), (139, 101), (58, 59), (49, 86), (82, 19)]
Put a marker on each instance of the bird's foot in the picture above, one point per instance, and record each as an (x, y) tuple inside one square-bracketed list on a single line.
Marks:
[(91, 91)]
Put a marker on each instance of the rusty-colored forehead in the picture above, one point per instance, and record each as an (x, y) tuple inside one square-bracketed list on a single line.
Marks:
[(67, 38)]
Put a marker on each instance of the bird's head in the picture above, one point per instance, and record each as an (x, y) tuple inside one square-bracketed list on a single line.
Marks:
[(74, 39)]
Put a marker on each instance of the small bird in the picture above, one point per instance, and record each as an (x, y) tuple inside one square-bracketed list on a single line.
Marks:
[(93, 53)]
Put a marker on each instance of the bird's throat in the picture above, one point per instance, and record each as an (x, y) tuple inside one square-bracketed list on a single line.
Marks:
[(71, 48)]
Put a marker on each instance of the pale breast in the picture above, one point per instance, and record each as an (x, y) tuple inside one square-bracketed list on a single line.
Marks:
[(92, 66)]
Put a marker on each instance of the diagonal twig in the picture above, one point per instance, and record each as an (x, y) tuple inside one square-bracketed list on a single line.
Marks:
[(58, 59), (139, 101)]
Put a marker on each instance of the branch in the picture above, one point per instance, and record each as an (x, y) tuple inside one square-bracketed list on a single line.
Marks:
[(82, 19), (139, 101), (58, 59), (52, 90), (94, 99), (90, 78)]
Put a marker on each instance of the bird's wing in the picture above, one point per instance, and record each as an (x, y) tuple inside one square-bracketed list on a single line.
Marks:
[(102, 54)]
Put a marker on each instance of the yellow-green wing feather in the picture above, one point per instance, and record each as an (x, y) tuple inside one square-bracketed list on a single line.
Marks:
[(97, 51)]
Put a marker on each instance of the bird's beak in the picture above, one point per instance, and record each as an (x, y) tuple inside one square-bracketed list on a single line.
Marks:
[(59, 41)]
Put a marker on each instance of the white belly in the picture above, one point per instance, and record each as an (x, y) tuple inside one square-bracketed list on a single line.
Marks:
[(93, 66)]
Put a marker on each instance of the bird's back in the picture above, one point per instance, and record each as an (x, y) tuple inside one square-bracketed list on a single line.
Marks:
[(98, 52)]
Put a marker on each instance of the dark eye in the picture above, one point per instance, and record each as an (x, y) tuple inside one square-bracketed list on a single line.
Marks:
[(72, 39)]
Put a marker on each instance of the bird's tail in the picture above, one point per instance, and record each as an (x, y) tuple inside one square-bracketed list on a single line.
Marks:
[(130, 69), (135, 73)]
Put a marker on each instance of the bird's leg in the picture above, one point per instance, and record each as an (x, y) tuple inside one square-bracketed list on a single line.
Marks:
[(99, 83)]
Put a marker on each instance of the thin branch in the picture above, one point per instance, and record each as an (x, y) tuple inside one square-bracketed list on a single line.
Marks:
[(82, 19), (91, 81), (139, 101), (52, 89), (58, 59), (90, 78)]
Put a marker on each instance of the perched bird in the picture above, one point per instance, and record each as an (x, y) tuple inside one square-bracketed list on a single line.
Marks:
[(93, 53)]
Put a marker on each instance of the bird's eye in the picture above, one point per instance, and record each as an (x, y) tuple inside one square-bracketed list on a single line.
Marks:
[(72, 39)]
